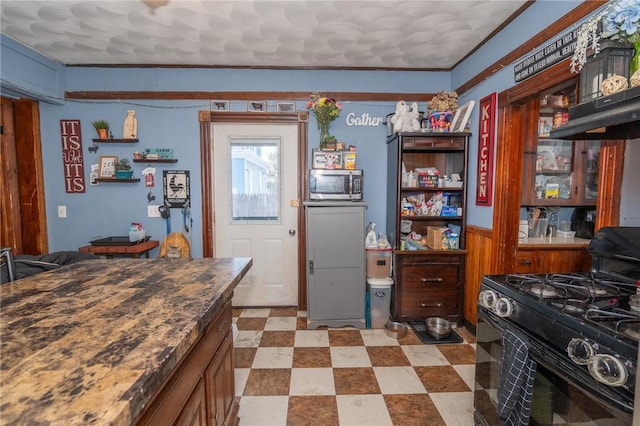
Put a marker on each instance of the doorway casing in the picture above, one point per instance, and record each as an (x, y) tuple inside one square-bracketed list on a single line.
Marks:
[(206, 119)]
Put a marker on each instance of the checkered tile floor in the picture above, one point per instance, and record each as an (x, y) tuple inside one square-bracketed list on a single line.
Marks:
[(288, 375)]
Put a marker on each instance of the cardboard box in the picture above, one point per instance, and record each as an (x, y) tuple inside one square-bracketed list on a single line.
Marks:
[(434, 237), (379, 263)]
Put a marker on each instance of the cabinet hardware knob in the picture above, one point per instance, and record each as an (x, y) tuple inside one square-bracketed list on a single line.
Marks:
[(525, 262), (430, 305), (432, 280)]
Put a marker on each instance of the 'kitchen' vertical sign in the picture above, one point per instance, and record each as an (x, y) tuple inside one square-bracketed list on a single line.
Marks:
[(484, 196), (72, 156)]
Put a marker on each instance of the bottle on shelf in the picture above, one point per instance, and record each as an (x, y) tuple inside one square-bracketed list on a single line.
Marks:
[(130, 130)]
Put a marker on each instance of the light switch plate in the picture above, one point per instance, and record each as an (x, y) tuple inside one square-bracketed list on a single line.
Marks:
[(152, 211), (62, 211)]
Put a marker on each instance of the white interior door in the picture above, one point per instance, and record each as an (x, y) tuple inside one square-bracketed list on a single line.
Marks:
[(255, 189)]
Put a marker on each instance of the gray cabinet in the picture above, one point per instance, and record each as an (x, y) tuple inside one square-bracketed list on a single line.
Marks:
[(336, 278)]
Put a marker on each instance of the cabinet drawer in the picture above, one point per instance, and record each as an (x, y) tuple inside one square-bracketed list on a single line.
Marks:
[(427, 303), (430, 290), (438, 143), (524, 262), (430, 277)]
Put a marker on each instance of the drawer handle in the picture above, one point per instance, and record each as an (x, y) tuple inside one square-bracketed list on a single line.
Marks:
[(431, 305), (222, 327), (525, 262), (432, 280)]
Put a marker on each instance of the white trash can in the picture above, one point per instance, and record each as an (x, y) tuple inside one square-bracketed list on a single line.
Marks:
[(379, 291)]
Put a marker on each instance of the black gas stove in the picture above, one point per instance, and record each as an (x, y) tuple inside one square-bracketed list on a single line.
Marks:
[(583, 329)]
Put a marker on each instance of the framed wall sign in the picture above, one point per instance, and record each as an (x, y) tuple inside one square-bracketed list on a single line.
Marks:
[(286, 106), (176, 188), (256, 106), (217, 105), (72, 158), (460, 120), (107, 166), (484, 190)]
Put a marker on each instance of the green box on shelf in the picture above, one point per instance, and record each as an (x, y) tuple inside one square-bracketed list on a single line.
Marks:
[(159, 153)]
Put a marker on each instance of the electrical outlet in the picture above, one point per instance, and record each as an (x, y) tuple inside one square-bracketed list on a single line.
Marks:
[(62, 211), (152, 211)]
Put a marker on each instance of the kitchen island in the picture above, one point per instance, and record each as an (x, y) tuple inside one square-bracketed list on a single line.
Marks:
[(119, 342)]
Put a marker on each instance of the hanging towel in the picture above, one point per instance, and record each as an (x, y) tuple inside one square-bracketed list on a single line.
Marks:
[(517, 374)]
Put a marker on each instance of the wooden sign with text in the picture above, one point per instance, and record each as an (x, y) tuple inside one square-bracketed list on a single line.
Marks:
[(484, 196), (72, 158)]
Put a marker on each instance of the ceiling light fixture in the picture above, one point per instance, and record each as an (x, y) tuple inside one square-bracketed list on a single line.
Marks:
[(153, 4)]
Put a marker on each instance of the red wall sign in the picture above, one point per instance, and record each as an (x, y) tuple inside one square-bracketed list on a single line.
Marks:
[(485, 151), (72, 159)]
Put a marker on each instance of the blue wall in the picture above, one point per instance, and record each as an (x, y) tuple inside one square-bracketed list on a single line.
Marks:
[(108, 209)]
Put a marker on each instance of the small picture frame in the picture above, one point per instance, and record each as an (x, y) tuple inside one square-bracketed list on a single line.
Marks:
[(256, 106), (107, 166), (176, 188), (285, 106), (327, 159), (217, 105), (460, 120)]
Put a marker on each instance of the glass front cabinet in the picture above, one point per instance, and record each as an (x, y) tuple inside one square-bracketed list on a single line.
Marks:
[(557, 172)]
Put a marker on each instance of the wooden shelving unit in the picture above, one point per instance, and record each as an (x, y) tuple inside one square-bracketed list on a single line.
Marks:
[(159, 160), (114, 180), (115, 140)]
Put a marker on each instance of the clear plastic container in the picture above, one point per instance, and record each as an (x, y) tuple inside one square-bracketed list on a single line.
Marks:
[(538, 228)]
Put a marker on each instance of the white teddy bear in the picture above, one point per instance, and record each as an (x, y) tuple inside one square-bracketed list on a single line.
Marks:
[(405, 119)]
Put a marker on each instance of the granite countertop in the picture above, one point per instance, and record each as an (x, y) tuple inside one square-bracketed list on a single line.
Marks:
[(92, 342), (553, 243)]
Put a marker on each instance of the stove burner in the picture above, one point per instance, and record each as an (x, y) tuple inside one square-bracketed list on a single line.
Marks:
[(543, 290), (565, 286), (618, 321)]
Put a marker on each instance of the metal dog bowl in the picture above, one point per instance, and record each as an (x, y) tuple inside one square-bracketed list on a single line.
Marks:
[(395, 330), (438, 328)]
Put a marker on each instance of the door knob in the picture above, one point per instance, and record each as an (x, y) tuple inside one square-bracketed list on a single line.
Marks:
[(292, 232)]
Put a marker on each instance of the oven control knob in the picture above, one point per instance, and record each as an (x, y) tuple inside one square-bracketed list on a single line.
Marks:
[(608, 369), (488, 298), (503, 307), (579, 350)]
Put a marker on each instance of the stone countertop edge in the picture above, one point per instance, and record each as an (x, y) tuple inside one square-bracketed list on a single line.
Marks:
[(94, 341), (553, 243)]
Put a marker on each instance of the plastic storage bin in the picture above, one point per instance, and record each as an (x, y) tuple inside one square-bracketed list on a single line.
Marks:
[(379, 292), (378, 263)]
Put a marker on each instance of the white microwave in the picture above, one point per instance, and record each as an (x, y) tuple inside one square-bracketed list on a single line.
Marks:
[(335, 184)]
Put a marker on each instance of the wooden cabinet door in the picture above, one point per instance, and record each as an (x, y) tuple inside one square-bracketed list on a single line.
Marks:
[(552, 261), (219, 382), (194, 412), (557, 172), (429, 286)]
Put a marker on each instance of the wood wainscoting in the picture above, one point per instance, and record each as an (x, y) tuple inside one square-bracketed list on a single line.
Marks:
[(479, 244)]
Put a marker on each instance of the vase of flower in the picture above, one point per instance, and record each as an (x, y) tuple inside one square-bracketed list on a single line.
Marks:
[(326, 110)]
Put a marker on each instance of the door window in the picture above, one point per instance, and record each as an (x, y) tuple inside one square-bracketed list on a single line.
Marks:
[(255, 180)]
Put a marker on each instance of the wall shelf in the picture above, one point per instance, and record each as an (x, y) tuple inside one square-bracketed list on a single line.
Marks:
[(114, 180), (158, 160), (115, 140)]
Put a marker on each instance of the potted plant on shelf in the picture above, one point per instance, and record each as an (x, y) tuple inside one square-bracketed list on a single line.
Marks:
[(123, 169), (102, 127)]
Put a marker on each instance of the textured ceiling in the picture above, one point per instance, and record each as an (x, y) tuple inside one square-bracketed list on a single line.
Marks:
[(425, 34)]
